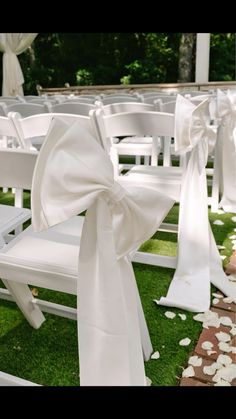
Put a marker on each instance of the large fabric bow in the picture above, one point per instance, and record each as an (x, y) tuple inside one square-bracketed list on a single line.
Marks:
[(226, 109), (199, 261), (73, 173)]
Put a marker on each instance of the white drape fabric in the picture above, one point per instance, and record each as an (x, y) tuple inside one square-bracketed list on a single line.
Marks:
[(199, 261), (226, 109), (73, 174), (13, 44)]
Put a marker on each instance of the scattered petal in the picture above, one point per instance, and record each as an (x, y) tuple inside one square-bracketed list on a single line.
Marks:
[(35, 292), (148, 381), (170, 314), (224, 359), (218, 222), (233, 331), (156, 355), (184, 342), (233, 219), (226, 321), (209, 353), (215, 301), (223, 337), (182, 316), (232, 278), (223, 346), (232, 237), (207, 345), (220, 211), (228, 300), (209, 370), (220, 247), (222, 383), (188, 372), (195, 361), (222, 257), (226, 373), (217, 295)]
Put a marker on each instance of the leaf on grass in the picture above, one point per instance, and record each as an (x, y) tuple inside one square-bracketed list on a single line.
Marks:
[(155, 355), (207, 345), (184, 342), (188, 372)]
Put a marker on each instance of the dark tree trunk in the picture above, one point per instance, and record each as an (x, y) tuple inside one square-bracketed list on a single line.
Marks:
[(185, 57)]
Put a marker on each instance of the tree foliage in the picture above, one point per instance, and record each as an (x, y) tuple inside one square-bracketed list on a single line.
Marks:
[(115, 58)]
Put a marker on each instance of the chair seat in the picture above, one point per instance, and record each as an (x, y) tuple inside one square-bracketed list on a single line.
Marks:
[(45, 258), (11, 217), (137, 140), (166, 180)]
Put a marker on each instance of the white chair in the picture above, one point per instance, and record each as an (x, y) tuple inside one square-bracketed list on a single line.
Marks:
[(50, 258), (33, 129), (70, 107), (16, 170), (27, 109)]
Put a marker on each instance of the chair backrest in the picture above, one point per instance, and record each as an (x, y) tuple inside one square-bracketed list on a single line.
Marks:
[(127, 107), (133, 123), (38, 125), (168, 107), (72, 108), (27, 109), (117, 99), (17, 167)]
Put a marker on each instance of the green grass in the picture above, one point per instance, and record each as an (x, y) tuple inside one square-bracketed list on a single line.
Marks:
[(49, 356)]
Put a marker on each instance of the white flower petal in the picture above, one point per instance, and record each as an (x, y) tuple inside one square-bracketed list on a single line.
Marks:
[(217, 295), (218, 222), (222, 257), (220, 247), (224, 359), (233, 331), (184, 342), (170, 314), (232, 278), (226, 373), (215, 301), (207, 345), (209, 370), (223, 346), (182, 316), (233, 237), (223, 337), (228, 300), (188, 372), (195, 361), (222, 383), (226, 321), (220, 211), (233, 219), (155, 355), (209, 353), (148, 381), (233, 349)]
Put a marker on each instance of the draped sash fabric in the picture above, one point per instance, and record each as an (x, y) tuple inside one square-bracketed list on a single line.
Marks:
[(199, 261), (226, 109), (73, 174)]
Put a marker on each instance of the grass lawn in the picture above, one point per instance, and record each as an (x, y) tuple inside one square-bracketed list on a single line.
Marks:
[(49, 356)]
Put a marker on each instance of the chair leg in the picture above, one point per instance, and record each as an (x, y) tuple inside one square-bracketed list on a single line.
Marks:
[(23, 298)]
